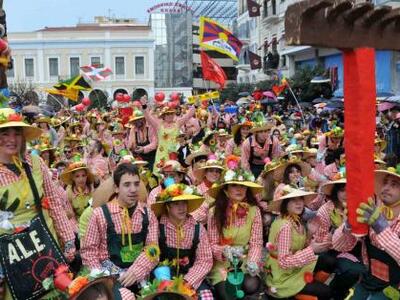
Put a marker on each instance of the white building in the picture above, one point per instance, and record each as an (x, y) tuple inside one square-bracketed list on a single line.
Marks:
[(50, 54)]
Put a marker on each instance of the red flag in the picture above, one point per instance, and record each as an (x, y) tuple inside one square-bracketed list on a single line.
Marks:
[(212, 71), (278, 89)]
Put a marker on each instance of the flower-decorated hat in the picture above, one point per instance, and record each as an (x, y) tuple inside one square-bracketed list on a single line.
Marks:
[(126, 157), (234, 174), (305, 168), (75, 165), (175, 193), (289, 192), (44, 147), (43, 119), (171, 165), (236, 127), (167, 110), (196, 155), (381, 174), (260, 123), (136, 115), (211, 163), (9, 118), (336, 132), (327, 187), (271, 166)]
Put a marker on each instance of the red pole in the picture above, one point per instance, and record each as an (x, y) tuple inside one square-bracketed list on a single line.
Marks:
[(360, 109)]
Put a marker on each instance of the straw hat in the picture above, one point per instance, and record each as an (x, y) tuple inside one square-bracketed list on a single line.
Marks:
[(167, 110), (381, 174), (222, 133), (108, 282), (131, 159), (212, 163), (9, 118), (271, 166), (175, 193), (189, 159), (261, 126), (76, 165), (289, 193), (305, 168), (327, 187), (136, 115), (43, 119), (172, 166), (382, 143), (72, 138), (45, 147), (235, 175), (236, 127)]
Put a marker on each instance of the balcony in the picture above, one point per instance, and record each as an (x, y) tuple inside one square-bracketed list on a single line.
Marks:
[(270, 19)]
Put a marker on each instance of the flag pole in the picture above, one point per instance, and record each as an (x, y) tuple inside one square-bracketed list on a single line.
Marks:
[(297, 102)]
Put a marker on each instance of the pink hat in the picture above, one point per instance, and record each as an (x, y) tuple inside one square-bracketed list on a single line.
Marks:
[(385, 106), (397, 116)]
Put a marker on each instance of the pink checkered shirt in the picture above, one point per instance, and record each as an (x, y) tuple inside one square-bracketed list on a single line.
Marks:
[(201, 214), (256, 237), (324, 222), (153, 195), (286, 258), (388, 240), (94, 248), (203, 261), (99, 166), (57, 211)]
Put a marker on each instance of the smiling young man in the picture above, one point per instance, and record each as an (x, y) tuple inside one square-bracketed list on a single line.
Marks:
[(119, 231), (381, 246)]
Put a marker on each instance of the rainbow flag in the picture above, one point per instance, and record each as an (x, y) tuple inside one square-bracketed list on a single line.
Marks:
[(215, 37)]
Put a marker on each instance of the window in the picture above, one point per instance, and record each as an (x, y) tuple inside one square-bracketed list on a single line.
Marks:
[(53, 67), (265, 5), (74, 66), (139, 65), (273, 4), (120, 65), (29, 67), (11, 72), (95, 61)]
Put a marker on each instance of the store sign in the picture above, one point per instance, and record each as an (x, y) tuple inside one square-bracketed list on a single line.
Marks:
[(169, 8)]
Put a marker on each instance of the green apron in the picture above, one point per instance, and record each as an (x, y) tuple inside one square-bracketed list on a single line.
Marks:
[(166, 144), (287, 283), (24, 211), (241, 237), (121, 255), (79, 203)]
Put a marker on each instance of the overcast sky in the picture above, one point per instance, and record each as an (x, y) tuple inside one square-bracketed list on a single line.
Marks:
[(29, 15)]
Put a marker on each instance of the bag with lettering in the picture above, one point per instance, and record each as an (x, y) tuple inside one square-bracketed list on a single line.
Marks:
[(30, 256)]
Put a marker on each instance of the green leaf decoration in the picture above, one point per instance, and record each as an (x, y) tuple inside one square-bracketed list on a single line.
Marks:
[(3, 201), (13, 207)]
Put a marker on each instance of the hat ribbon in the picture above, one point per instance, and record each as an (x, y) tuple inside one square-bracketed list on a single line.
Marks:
[(387, 210), (24, 179), (126, 227)]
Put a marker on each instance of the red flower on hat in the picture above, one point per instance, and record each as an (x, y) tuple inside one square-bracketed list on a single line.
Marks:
[(308, 277), (232, 162), (15, 118)]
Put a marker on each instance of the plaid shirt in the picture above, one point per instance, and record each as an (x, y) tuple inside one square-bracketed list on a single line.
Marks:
[(56, 210), (324, 222), (388, 240), (151, 199), (99, 166), (246, 150), (94, 248), (286, 258), (201, 214), (255, 242), (203, 262), (126, 294)]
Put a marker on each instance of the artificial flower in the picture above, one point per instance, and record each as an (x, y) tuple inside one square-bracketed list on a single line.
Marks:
[(45, 203), (308, 277), (77, 284)]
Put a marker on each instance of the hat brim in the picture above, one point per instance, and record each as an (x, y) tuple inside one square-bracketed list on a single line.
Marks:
[(275, 205), (261, 128), (66, 176), (200, 172), (327, 187), (264, 173), (106, 189), (305, 170), (379, 178), (193, 201), (30, 132), (108, 281), (166, 295), (254, 187), (193, 155)]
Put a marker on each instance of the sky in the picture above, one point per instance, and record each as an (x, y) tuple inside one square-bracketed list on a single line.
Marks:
[(30, 15)]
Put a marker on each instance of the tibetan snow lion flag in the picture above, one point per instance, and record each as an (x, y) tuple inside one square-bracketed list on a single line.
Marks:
[(215, 37)]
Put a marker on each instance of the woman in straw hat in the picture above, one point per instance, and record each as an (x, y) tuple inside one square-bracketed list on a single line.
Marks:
[(381, 245), (167, 128), (195, 160), (240, 132), (292, 260), (258, 147), (28, 194), (292, 172), (208, 174), (182, 239), (79, 180), (49, 135), (120, 230), (329, 217), (235, 227)]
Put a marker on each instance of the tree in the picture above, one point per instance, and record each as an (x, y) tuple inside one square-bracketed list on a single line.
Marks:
[(24, 92)]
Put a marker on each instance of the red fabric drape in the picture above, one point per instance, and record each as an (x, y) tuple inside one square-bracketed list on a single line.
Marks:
[(360, 98)]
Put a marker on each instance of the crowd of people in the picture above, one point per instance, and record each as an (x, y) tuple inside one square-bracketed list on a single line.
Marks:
[(250, 204)]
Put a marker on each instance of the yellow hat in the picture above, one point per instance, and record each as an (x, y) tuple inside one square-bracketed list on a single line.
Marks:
[(9, 118), (76, 165), (289, 193), (381, 174), (175, 193), (212, 163), (305, 168), (327, 187)]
